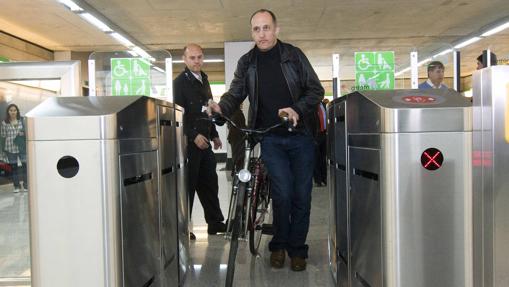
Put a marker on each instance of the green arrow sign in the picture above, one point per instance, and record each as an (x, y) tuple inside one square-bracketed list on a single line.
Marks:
[(374, 70), (130, 76)]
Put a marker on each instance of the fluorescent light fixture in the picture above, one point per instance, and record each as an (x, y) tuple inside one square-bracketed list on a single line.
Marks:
[(143, 53), (71, 5), (158, 69), (496, 30), (204, 61), (213, 61), (403, 71), (132, 53), (123, 40), (96, 22), (444, 52), (467, 42), (424, 61)]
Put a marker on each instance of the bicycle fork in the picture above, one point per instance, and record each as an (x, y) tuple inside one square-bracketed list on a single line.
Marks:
[(244, 175)]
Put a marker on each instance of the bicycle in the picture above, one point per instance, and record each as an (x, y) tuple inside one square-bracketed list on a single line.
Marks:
[(250, 197)]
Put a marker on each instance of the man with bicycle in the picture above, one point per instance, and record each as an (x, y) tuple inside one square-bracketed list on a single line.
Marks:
[(278, 78), (192, 92)]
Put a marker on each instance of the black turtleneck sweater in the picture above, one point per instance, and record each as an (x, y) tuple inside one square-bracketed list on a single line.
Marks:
[(273, 92)]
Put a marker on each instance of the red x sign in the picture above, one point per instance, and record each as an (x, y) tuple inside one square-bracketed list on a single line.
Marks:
[(432, 159)]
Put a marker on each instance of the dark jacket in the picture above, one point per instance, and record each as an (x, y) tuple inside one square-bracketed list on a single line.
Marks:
[(302, 81), (192, 95)]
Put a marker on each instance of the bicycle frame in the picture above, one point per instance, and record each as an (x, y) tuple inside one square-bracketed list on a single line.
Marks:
[(248, 152)]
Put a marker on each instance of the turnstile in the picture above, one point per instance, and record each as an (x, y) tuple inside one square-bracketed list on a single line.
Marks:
[(337, 186), (106, 198), (402, 194), (490, 180)]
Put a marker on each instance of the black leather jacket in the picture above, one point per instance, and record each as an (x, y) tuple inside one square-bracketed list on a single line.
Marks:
[(302, 81)]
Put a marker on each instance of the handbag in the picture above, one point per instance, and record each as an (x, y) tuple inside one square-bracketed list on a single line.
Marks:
[(21, 143)]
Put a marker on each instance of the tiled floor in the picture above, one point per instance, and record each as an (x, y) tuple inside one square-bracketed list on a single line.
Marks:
[(14, 237), (208, 253)]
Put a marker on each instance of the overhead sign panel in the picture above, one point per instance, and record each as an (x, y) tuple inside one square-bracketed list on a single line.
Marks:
[(130, 77), (374, 70)]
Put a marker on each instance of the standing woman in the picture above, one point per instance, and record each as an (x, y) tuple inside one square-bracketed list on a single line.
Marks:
[(12, 128)]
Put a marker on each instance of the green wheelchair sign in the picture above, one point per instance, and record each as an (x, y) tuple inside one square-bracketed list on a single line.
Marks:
[(130, 77), (374, 70)]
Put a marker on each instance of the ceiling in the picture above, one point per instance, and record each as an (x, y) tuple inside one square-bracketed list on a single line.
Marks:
[(319, 27)]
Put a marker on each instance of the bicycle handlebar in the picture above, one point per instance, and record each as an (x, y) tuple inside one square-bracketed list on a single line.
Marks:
[(215, 118)]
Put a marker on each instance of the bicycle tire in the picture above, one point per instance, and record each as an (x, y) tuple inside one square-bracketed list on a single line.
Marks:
[(257, 213), (234, 241)]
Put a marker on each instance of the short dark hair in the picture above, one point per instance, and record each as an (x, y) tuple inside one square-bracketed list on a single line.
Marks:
[(435, 65), (264, 11), (493, 59)]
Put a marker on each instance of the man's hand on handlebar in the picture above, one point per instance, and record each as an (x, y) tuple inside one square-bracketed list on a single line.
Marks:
[(292, 115), (213, 107)]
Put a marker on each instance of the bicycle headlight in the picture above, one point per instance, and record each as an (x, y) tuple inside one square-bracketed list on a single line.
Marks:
[(244, 175)]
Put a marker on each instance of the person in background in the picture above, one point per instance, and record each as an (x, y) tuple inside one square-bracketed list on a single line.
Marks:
[(320, 171), (481, 65), (236, 139), (435, 76), (278, 78), (192, 92), (13, 132)]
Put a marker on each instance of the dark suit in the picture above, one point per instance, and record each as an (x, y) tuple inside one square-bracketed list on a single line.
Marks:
[(193, 95)]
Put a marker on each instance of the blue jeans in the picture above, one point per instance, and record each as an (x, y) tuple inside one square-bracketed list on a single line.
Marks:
[(290, 161), (18, 174)]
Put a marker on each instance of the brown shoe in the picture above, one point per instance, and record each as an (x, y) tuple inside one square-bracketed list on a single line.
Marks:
[(277, 258), (298, 264)]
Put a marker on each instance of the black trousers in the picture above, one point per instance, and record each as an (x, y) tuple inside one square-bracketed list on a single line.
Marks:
[(202, 179)]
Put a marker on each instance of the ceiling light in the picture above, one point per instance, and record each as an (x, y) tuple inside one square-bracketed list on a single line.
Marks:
[(423, 61), (467, 42), (96, 22), (402, 71), (213, 61), (496, 30), (132, 53), (143, 53), (122, 39), (158, 69), (442, 53), (71, 5)]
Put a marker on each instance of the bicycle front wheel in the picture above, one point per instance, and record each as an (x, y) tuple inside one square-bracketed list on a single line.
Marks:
[(236, 229)]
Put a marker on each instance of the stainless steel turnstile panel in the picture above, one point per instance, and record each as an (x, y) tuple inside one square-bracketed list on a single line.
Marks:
[(426, 215), (140, 218), (365, 220), (109, 217), (404, 225), (168, 195), (331, 170), (67, 227), (490, 180), (182, 197)]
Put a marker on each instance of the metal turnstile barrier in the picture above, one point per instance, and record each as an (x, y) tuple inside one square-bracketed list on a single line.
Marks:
[(401, 194), (107, 202), (490, 179)]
